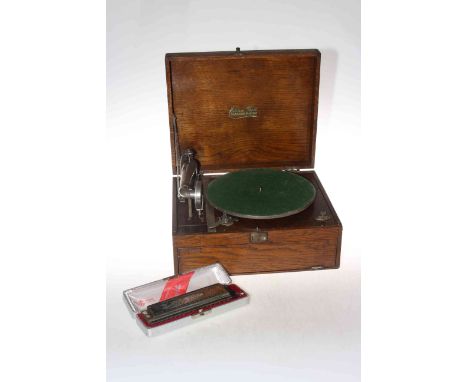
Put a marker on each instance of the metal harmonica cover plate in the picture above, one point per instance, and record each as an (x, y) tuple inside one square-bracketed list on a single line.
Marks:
[(187, 302)]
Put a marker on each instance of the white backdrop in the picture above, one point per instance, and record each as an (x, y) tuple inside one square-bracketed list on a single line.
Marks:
[(300, 326)]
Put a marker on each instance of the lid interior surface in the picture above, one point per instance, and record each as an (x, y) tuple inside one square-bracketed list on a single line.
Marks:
[(280, 87)]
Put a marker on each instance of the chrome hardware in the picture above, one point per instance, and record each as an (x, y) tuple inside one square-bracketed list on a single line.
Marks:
[(188, 173), (316, 268), (224, 220), (258, 237), (189, 182), (201, 313), (323, 216)]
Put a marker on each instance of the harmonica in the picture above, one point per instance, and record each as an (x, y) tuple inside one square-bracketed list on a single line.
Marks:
[(187, 302)]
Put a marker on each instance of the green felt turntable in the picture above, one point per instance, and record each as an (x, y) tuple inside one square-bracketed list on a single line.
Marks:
[(260, 193)]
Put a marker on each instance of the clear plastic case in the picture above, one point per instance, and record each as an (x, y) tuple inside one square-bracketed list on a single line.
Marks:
[(137, 299)]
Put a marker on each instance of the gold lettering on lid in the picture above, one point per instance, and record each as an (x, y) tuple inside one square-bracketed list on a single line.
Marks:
[(236, 112)]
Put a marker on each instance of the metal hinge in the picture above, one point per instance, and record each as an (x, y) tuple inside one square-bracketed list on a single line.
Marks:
[(297, 169)]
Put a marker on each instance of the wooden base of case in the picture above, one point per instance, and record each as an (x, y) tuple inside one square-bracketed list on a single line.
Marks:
[(309, 240)]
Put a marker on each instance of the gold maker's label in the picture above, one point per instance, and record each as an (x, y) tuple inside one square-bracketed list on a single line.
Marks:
[(236, 112)]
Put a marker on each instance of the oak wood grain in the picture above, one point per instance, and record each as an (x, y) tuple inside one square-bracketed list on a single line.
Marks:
[(265, 257), (282, 85)]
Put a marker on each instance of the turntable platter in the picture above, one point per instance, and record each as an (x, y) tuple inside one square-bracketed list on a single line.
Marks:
[(260, 193)]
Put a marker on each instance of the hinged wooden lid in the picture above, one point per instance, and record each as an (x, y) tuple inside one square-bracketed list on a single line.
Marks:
[(245, 109)]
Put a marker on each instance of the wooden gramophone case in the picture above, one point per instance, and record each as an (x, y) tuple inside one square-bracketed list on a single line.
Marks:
[(242, 110)]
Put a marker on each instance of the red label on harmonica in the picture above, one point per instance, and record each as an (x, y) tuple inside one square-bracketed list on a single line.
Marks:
[(176, 286)]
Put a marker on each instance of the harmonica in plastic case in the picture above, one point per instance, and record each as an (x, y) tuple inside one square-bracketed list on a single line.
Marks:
[(177, 301)]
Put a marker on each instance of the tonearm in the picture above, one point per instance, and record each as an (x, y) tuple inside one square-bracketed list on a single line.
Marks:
[(189, 182)]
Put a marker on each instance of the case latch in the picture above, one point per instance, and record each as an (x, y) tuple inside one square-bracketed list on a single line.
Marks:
[(200, 313), (258, 237)]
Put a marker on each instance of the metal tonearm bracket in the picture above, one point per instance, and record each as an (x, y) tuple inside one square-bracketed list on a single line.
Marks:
[(189, 182)]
